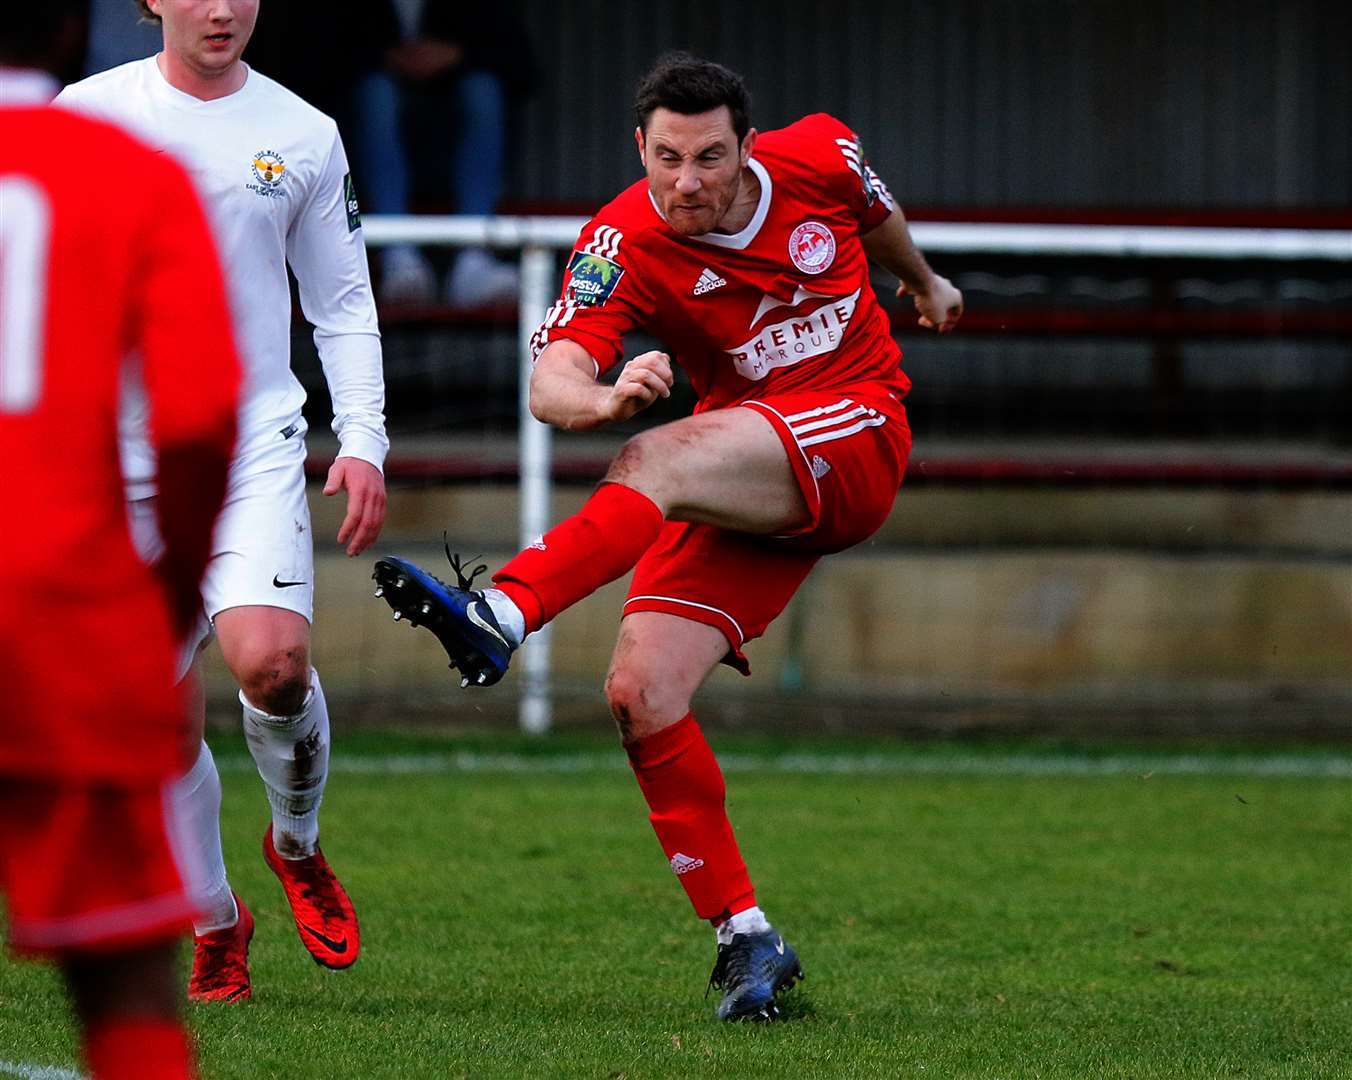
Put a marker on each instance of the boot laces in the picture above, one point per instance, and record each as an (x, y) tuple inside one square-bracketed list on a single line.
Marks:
[(732, 966), (465, 572)]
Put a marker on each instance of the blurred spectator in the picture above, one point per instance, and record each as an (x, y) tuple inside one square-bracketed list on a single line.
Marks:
[(422, 93), (463, 67)]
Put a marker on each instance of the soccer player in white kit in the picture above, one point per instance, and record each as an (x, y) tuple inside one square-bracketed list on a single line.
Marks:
[(273, 177)]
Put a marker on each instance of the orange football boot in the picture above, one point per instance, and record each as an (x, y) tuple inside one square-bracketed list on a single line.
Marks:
[(324, 915), (220, 961)]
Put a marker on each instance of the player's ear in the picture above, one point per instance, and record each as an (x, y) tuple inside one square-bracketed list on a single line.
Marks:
[(748, 144), (642, 150)]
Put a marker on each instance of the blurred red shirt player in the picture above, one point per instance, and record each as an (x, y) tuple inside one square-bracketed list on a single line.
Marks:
[(104, 251)]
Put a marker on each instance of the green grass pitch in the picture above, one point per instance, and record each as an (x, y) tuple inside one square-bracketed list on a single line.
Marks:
[(994, 912)]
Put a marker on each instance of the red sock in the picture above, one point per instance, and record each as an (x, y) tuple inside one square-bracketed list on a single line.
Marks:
[(580, 554), (140, 1048), (684, 787)]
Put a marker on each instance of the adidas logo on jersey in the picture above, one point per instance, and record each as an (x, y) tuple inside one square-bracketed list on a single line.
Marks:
[(708, 282), (820, 466), (683, 864)]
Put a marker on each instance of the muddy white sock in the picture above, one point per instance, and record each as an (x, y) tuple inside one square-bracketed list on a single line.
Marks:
[(292, 755)]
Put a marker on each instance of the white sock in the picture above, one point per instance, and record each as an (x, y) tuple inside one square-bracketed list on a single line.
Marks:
[(509, 616), (750, 921), (292, 755), (197, 801)]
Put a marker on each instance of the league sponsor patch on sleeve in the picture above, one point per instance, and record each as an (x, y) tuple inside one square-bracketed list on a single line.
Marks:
[(852, 150), (350, 201), (592, 278)]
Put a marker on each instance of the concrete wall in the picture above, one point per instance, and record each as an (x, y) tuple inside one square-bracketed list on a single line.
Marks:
[(1080, 601)]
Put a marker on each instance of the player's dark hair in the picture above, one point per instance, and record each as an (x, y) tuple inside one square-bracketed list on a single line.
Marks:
[(687, 85), (30, 34)]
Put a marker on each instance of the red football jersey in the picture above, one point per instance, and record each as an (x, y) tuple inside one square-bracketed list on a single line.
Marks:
[(104, 251), (784, 305)]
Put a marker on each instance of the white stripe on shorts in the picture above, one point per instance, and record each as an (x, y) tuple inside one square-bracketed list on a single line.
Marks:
[(692, 603), (843, 403), (830, 421), (841, 433)]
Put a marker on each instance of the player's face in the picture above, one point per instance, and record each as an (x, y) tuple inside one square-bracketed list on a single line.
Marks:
[(694, 166), (208, 36)]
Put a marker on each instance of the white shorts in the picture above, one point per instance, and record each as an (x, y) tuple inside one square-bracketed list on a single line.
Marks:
[(262, 551)]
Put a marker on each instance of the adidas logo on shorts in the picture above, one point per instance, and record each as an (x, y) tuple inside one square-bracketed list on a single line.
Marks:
[(683, 864), (708, 282)]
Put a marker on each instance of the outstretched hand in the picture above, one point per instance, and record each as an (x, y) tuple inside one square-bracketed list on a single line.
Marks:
[(940, 305), (365, 487), (642, 381)]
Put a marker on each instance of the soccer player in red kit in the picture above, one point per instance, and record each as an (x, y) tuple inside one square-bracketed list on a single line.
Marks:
[(103, 249), (748, 256)]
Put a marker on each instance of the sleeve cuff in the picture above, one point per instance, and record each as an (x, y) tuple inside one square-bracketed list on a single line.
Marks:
[(364, 446)]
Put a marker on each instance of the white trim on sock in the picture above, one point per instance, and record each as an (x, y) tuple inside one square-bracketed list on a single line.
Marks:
[(509, 616), (750, 921)]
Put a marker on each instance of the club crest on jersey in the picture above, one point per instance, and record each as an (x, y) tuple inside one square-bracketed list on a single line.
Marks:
[(269, 170), (812, 247), (592, 278)]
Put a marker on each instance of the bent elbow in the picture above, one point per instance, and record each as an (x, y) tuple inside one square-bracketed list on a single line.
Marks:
[(539, 405)]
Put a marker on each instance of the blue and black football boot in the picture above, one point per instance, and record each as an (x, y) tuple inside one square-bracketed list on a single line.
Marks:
[(750, 970), (458, 615)]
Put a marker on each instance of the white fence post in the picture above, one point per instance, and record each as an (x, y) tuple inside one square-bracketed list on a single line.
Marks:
[(535, 713)]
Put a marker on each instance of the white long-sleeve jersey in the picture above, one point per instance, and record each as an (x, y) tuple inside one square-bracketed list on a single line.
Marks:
[(273, 177)]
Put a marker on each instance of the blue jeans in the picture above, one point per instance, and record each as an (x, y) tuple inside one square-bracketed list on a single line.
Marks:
[(480, 151), (379, 155), (474, 164)]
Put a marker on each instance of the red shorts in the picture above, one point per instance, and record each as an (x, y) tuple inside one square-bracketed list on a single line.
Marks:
[(89, 867), (114, 715), (848, 453)]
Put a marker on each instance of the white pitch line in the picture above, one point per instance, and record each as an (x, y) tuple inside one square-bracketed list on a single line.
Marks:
[(1302, 766), (38, 1072)]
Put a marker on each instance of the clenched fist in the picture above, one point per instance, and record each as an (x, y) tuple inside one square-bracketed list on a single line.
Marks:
[(642, 381)]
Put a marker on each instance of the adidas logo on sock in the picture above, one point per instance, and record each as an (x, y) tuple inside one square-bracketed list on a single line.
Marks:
[(683, 864), (708, 282)]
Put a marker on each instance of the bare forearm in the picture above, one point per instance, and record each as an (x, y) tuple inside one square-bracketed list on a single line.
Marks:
[(565, 394), (564, 391), (891, 247)]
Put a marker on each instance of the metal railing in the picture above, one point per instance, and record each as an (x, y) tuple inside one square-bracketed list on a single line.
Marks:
[(538, 238)]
